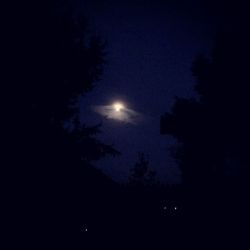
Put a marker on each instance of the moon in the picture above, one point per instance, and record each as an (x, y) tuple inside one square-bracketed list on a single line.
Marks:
[(118, 106)]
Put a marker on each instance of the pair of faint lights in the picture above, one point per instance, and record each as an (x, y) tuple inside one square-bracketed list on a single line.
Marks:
[(175, 208)]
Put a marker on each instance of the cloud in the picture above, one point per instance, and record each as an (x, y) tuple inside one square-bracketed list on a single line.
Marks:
[(124, 115)]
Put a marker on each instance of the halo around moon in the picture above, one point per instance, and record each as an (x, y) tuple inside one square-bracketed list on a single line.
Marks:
[(119, 112)]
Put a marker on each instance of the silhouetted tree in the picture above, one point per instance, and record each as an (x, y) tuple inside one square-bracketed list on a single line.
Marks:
[(211, 127), (213, 130), (62, 62), (141, 174)]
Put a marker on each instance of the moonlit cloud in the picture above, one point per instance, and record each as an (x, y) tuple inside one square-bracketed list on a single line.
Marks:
[(118, 112)]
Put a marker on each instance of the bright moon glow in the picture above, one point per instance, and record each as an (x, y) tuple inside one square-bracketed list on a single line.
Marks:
[(119, 112), (118, 106)]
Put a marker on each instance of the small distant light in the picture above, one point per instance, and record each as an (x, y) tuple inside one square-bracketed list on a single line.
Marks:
[(84, 229), (165, 208), (175, 208)]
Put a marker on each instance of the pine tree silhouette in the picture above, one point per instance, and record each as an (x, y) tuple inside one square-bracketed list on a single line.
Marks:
[(59, 187), (141, 174), (213, 131)]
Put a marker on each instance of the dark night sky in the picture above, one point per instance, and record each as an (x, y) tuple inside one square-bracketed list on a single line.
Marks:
[(150, 50)]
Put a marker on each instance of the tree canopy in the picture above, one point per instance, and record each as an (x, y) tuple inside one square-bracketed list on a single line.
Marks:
[(59, 61), (212, 130)]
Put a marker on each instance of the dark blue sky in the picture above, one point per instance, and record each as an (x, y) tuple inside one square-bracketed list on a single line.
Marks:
[(150, 50)]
